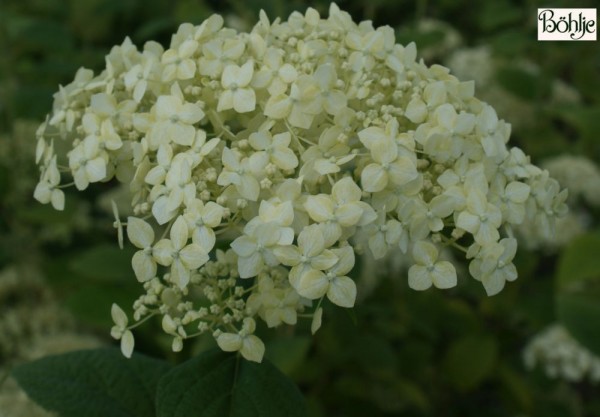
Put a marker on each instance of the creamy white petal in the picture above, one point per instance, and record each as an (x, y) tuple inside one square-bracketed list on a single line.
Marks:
[(118, 316), (373, 178), (317, 320), (229, 342), (444, 275), (139, 232), (312, 284), (253, 349), (419, 278), (143, 266), (193, 256), (342, 292), (127, 343)]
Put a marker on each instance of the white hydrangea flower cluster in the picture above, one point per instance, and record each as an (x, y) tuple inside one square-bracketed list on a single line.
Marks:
[(561, 356), (301, 143)]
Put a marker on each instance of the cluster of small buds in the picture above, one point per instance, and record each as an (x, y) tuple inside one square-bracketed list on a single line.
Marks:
[(561, 356), (297, 144)]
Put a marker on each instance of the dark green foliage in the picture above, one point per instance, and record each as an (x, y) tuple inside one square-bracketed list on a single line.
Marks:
[(93, 383), (217, 384)]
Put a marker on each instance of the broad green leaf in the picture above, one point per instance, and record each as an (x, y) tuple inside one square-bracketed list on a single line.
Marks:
[(217, 384), (93, 383), (470, 360), (106, 262)]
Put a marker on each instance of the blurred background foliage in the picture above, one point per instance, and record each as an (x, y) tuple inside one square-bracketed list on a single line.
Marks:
[(398, 353)]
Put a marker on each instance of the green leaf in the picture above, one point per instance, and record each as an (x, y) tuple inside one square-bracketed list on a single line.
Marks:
[(93, 383), (224, 385), (105, 262), (470, 360)]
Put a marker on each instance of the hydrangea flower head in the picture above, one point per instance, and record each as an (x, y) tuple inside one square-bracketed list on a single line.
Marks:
[(292, 149)]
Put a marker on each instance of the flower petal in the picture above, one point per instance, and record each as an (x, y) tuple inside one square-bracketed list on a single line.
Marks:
[(139, 232), (342, 292)]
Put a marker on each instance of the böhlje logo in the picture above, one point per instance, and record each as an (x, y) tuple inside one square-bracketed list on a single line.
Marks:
[(567, 24)]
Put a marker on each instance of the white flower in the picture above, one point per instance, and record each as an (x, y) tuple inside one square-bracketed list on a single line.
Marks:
[(178, 189), (255, 248), (87, 162), (428, 270), (176, 253), (219, 52), (174, 122), (334, 100), (136, 79), (158, 173), (328, 155), (249, 345), (391, 164), (275, 74), (47, 191), (275, 304), (299, 107), (237, 95), (276, 147), (141, 235), (342, 208), (480, 218), (510, 198), (383, 235), (493, 265), (418, 108), (202, 219), (201, 147), (103, 130), (120, 331), (243, 173), (310, 256), (340, 289), (178, 63)]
